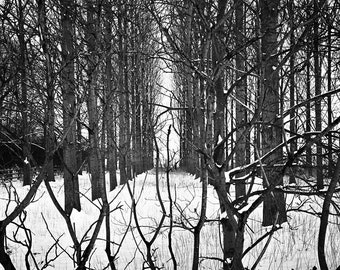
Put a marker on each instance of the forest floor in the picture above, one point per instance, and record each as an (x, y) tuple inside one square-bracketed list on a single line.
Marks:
[(294, 246)]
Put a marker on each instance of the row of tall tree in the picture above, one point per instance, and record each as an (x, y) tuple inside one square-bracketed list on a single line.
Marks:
[(258, 83), (82, 73), (256, 86), (78, 82)]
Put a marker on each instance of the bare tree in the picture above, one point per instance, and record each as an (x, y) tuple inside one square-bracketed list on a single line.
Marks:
[(274, 204), (317, 71), (72, 200), (22, 101), (91, 35), (241, 153), (50, 115)]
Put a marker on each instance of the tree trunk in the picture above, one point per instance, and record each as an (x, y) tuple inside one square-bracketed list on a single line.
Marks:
[(219, 125), (292, 123), (71, 185), (134, 94), (200, 223), (317, 75), (26, 149), (138, 138), (49, 130), (329, 98), (325, 215), (90, 36), (110, 107), (309, 161), (127, 88), (122, 100), (241, 95), (217, 54), (5, 259), (272, 124)]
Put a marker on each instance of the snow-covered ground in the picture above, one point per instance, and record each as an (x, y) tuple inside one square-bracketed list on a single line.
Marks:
[(292, 247)]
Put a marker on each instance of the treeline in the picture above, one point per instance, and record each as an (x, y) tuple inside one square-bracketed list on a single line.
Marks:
[(81, 76)]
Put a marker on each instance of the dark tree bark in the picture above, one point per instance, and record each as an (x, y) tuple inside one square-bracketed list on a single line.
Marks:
[(187, 90), (270, 105), (5, 259), (127, 93), (317, 76), (138, 135), (23, 101), (325, 215), (134, 94), (309, 161), (217, 54), (292, 115), (241, 95), (91, 36), (122, 99), (71, 186), (329, 98), (49, 129), (110, 102)]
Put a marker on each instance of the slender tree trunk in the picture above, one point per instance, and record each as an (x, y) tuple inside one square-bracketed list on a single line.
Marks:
[(200, 224), (150, 132), (134, 94), (122, 100), (138, 139), (196, 123), (26, 148), (325, 215), (202, 111), (90, 37), (112, 148), (187, 89), (71, 186), (292, 123), (49, 130), (329, 98), (127, 93), (270, 101), (219, 124), (110, 107), (219, 115), (80, 142), (309, 162), (144, 127), (241, 95), (317, 75)]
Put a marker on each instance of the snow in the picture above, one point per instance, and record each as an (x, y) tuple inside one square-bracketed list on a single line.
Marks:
[(294, 246), (26, 161)]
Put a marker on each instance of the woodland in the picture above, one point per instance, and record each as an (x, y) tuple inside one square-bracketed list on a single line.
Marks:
[(242, 95)]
